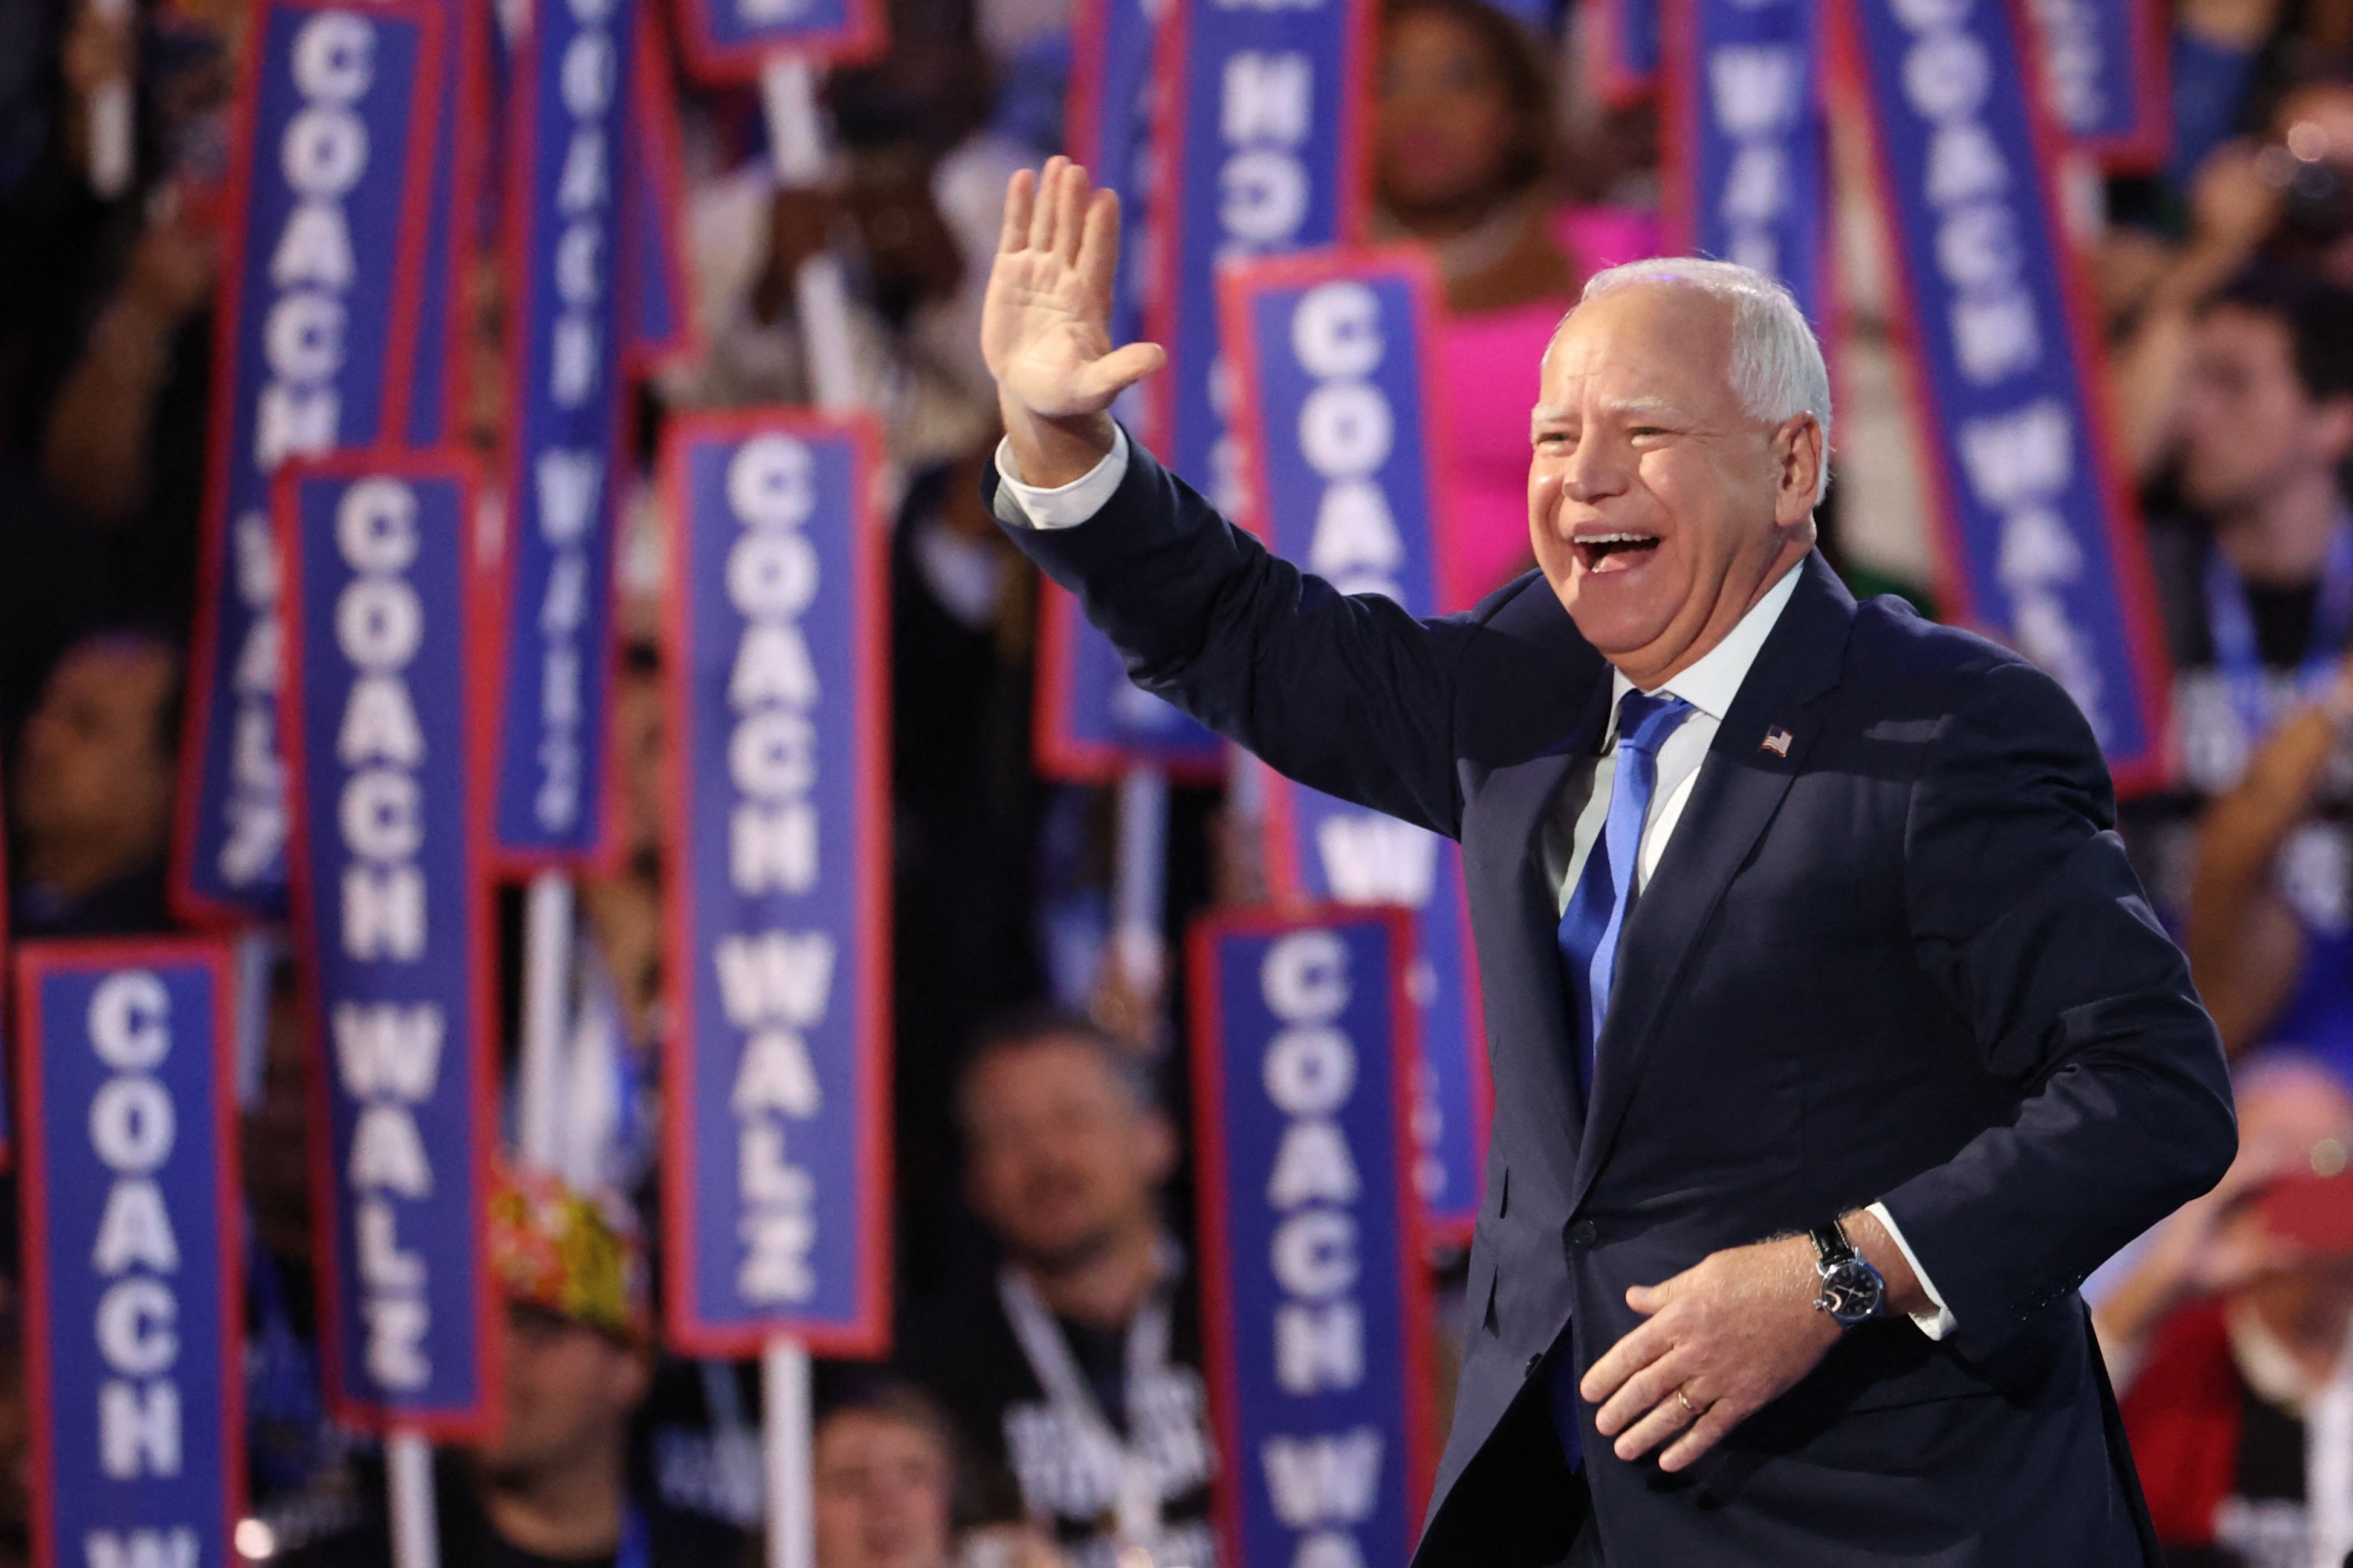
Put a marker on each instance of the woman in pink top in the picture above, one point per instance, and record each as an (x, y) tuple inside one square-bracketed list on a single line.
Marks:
[(1466, 163)]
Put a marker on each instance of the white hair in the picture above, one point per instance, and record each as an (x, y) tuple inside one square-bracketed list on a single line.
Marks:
[(1776, 363)]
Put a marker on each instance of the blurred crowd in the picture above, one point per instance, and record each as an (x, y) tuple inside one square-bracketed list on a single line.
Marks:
[(1043, 1406)]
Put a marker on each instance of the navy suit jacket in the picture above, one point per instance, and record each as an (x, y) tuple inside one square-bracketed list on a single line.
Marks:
[(1906, 962)]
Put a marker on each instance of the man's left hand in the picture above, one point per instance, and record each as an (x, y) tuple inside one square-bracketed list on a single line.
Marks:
[(1729, 1336)]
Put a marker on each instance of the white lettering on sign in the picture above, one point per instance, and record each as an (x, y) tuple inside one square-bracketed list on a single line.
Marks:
[(322, 155), (775, 985), (140, 1548), (386, 1056), (132, 1127), (1756, 93), (569, 482), (1308, 1072), (2073, 53), (2018, 462)]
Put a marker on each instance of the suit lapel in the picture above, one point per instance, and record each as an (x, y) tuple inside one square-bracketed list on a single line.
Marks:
[(1505, 851), (1740, 787)]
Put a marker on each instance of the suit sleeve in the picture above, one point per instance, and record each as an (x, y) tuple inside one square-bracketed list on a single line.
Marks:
[(1347, 694), (2028, 918)]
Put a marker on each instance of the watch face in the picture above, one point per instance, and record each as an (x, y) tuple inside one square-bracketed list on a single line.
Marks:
[(1851, 1291)]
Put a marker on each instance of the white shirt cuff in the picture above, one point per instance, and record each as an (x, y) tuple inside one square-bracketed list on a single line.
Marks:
[(1941, 1321), (1065, 506)]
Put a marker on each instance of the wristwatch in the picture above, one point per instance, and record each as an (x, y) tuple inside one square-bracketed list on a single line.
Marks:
[(1852, 1291)]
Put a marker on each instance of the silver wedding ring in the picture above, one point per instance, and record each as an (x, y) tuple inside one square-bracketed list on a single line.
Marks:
[(1684, 1400)]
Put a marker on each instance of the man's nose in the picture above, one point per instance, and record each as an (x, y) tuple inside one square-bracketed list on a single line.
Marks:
[(1595, 471)]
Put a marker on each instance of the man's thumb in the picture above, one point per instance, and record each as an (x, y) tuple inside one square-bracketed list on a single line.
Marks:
[(1122, 368)]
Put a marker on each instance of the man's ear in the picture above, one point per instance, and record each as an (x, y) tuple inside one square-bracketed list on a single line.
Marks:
[(1798, 456)]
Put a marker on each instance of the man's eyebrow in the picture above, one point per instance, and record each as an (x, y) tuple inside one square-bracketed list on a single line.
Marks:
[(1624, 407)]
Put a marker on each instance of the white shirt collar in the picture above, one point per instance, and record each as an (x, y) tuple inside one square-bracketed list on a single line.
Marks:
[(1712, 679)]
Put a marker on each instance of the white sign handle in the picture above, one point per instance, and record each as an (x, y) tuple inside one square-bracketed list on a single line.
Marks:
[(797, 143), (110, 126), (409, 1478), (786, 1427), (546, 965), (1140, 879)]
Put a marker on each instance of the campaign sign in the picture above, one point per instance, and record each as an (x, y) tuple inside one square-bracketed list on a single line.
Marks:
[(133, 1237), (2106, 78), (1622, 40), (1264, 155), (776, 1153), (1334, 351), (1748, 157), (437, 374), (325, 238), (567, 270), (661, 320), (1315, 1309), (2040, 544), (393, 923), (730, 40)]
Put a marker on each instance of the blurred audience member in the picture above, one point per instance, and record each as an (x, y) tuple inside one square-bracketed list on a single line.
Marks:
[(1466, 155), (15, 1435), (886, 1478), (554, 1487), (2257, 592), (93, 791), (1076, 1368), (2229, 1340)]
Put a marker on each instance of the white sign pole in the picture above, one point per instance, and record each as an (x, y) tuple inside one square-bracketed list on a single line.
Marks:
[(111, 128), (546, 966), (409, 1478), (1140, 881)]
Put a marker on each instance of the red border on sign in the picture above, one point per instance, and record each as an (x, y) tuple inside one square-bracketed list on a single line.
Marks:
[(481, 1025), (192, 906), (865, 38), (2134, 586), (664, 158), (34, 963), (1082, 103), (468, 154), (1678, 95), (1416, 1327), (602, 854), (1057, 751), (1610, 77), (2144, 147), (867, 1336)]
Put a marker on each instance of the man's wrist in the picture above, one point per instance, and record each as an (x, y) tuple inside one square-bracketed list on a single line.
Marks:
[(1052, 453), (1906, 1295)]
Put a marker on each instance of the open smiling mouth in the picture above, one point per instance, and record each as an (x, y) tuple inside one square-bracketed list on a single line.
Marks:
[(1614, 551)]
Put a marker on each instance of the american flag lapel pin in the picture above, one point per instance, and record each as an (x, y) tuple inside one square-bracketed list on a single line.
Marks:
[(1777, 740)]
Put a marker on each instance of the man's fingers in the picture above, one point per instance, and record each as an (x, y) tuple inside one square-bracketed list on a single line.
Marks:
[(1627, 1357), (1642, 1393), (1107, 377), (1705, 1434), (1660, 1422), (1020, 195), (1099, 247), (1071, 214), (1041, 218)]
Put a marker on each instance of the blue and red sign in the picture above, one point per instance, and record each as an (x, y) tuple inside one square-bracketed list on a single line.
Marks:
[(567, 271), (776, 1149), (1747, 159), (460, 147), (730, 40), (1264, 155), (1623, 44), (393, 923), (2041, 545), (133, 1240), (326, 228), (1335, 352), (1315, 1311), (2105, 76)]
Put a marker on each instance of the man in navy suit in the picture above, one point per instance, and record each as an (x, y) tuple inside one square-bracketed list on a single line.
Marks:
[(1834, 1041)]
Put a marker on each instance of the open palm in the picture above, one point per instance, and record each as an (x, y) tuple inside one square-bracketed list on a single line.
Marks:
[(1045, 328)]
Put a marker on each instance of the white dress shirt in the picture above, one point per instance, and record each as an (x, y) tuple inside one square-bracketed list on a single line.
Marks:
[(1709, 685)]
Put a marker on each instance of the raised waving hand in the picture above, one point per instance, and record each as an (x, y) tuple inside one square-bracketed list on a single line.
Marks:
[(1045, 328)]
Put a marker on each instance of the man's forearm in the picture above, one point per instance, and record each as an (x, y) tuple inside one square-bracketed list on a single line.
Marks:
[(1054, 452)]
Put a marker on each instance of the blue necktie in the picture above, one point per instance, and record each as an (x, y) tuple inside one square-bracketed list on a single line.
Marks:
[(1589, 939), (1597, 907)]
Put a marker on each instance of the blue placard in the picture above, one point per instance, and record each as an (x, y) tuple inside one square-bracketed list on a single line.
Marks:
[(390, 897), (1747, 177), (1263, 156), (2041, 547), (1316, 1316), (730, 40), (775, 1151), (567, 270), (2105, 76), (135, 1320), (312, 351), (1333, 355)]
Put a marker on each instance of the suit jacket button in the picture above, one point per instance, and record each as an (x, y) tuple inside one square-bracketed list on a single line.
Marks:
[(1583, 1234)]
